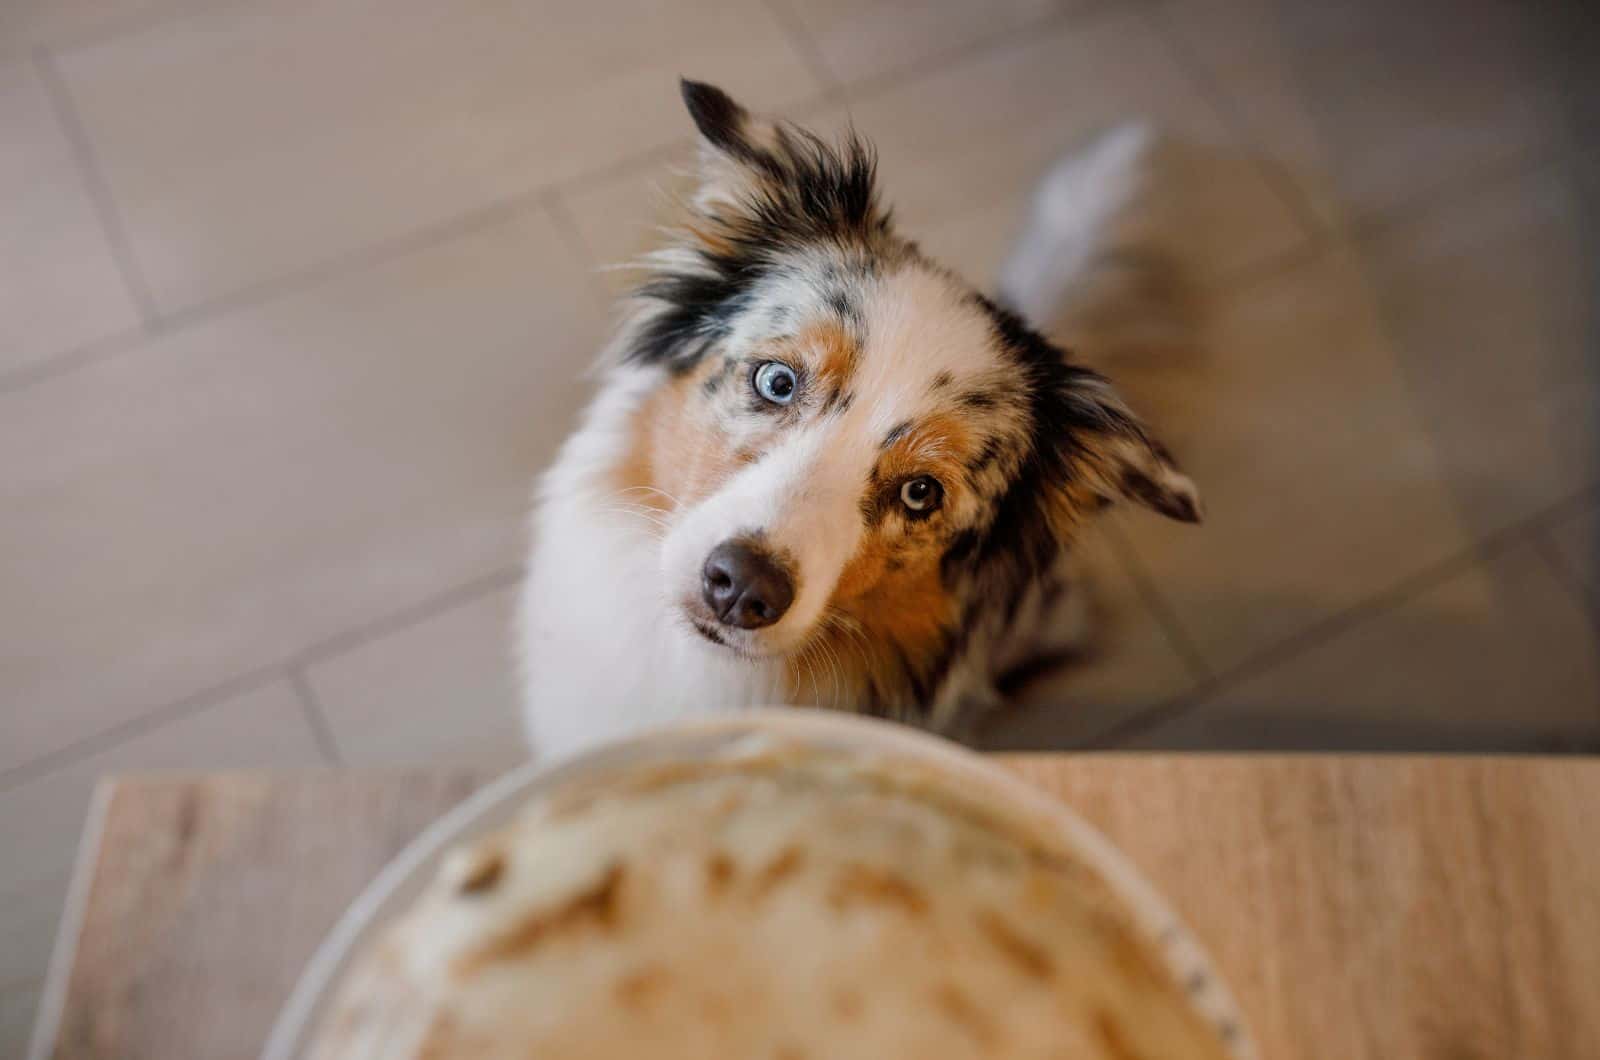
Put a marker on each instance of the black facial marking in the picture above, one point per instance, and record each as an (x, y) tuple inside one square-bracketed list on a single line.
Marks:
[(846, 401), (870, 508), (984, 457), (978, 399), (709, 633), (839, 301), (942, 380), (713, 383), (897, 432), (806, 192)]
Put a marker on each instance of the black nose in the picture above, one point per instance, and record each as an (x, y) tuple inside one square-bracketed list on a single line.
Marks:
[(744, 586)]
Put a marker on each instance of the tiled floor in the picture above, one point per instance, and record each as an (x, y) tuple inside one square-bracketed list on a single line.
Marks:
[(294, 299)]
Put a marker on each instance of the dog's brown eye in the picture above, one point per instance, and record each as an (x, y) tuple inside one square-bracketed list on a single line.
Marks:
[(921, 494)]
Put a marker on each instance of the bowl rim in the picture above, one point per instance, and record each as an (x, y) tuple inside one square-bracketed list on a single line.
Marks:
[(500, 799)]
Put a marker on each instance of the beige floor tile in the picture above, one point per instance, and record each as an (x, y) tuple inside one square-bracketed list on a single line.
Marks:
[(962, 147), (40, 820), (1489, 295), (1130, 665), (860, 40), (231, 494), (17, 1006), (1577, 542), (441, 690), (1376, 104), (59, 285), (242, 143), (1296, 418), (1497, 657)]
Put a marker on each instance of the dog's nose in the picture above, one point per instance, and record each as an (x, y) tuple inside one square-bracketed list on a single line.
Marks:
[(744, 586)]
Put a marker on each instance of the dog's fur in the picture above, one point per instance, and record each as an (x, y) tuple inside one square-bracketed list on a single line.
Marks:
[(902, 370)]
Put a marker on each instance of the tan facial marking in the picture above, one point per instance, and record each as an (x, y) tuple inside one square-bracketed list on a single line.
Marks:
[(891, 589), (677, 447), (831, 355)]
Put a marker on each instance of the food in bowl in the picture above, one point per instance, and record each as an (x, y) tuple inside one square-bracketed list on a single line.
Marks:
[(775, 903)]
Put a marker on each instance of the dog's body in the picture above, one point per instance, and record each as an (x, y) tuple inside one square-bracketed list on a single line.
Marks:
[(821, 469)]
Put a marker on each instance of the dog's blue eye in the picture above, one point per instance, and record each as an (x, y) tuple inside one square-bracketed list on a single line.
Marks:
[(921, 494), (775, 381)]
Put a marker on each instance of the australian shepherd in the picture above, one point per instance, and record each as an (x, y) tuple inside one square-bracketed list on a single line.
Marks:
[(821, 469)]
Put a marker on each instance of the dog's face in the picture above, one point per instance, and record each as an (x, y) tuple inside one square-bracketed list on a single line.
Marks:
[(851, 441)]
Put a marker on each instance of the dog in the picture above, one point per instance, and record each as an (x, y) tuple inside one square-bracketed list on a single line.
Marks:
[(821, 469)]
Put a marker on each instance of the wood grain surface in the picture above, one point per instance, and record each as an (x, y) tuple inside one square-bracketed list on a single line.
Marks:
[(1362, 907)]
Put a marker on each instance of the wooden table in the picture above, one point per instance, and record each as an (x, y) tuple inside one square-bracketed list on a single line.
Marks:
[(1363, 907)]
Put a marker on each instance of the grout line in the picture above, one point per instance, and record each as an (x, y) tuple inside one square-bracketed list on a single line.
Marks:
[(1454, 191), (105, 205), (947, 59), (316, 715), (1166, 617), (1586, 599), (1340, 622), (105, 739), (266, 291), (407, 617), (566, 225), (353, 261), (805, 44), (250, 680), (70, 360), (1566, 574), (1290, 192), (560, 213)]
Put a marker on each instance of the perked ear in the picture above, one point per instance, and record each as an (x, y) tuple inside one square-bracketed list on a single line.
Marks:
[(736, 150), (720, 120), (1114, 456)]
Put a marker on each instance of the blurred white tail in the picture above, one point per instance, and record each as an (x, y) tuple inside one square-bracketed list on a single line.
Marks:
[(1097, 263)]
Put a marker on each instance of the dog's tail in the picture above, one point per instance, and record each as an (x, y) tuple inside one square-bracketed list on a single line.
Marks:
[(1098, 265)]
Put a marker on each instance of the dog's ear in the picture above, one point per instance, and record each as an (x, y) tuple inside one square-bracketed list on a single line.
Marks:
[(736, 149), (1110, 455)]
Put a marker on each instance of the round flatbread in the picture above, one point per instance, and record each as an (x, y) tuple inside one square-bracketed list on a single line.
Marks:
[(772, 907)]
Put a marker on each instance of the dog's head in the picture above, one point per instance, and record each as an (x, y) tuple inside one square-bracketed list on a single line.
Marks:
[(849, 439)]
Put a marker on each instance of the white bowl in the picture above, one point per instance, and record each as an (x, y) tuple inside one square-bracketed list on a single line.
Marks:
[(403, 880)]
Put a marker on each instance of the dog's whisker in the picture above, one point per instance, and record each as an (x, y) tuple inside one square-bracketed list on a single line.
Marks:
[(659, 525), (643, 513), (656, 490)]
